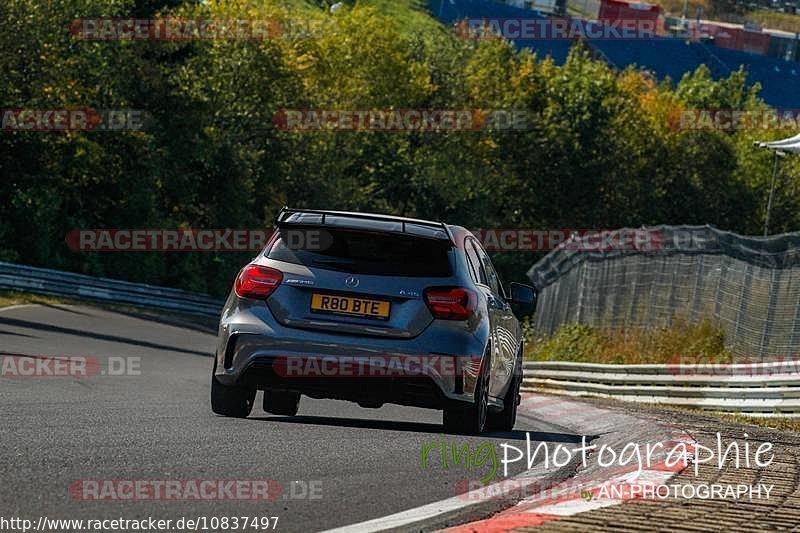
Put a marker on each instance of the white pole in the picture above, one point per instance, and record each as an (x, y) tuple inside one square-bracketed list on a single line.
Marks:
[(771, 192)]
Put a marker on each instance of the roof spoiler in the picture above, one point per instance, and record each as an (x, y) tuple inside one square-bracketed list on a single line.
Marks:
[(286, 212)]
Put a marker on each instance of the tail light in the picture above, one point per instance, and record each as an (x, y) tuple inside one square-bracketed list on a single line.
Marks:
[(257, 282), (451, 303)]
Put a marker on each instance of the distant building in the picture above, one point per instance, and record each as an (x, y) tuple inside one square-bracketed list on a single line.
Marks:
[(784, 45), (623, 10), (557, 7), (746, 38)]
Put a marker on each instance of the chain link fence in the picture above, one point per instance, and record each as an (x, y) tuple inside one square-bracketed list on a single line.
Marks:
[(749, 286)]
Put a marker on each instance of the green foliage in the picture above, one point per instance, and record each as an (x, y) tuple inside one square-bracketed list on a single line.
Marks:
[(600, 151), (681, 342), (572, 342)]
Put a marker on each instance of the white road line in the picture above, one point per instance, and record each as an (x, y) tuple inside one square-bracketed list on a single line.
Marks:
[(17, 306), (404, 518), (431, 510), (571, 507)]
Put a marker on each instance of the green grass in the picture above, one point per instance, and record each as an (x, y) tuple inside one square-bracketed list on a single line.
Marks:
[(775, 20), (784, 424), (685, 341), (775, 422), (9, 298), (409, 14), (675, 7)]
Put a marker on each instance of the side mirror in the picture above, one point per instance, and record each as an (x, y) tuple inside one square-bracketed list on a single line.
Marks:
[(522, 294)]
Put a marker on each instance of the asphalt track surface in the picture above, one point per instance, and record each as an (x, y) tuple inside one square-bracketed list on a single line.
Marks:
[(364, 463)]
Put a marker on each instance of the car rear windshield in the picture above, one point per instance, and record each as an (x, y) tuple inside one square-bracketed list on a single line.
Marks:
[(362, 252)]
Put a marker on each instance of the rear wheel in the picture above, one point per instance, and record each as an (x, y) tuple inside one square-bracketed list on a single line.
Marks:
[(505, 419), (281, 403), (473, 418), (227, 400)]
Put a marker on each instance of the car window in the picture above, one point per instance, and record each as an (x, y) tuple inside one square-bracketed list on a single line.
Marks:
[(472, 262), (473, 257), (361, 252), (491, 273)]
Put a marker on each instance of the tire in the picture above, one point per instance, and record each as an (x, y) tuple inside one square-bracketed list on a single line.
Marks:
[(505, 419), (471, 420), (281, 403), (226, 400)]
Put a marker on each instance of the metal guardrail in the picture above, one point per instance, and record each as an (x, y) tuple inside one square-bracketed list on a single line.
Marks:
[(758, 389), (646, 278), (58, 283)]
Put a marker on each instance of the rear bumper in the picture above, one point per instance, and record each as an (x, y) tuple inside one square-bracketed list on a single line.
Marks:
[(412, 391), (256, 351)]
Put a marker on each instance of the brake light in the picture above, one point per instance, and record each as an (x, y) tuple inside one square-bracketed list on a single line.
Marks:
[(257, 282), (451, 303)]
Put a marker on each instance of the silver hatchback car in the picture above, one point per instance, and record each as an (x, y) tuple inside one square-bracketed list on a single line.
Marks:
[(372, 309)]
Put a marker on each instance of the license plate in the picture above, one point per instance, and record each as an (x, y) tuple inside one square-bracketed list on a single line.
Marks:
[(350, 305)]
